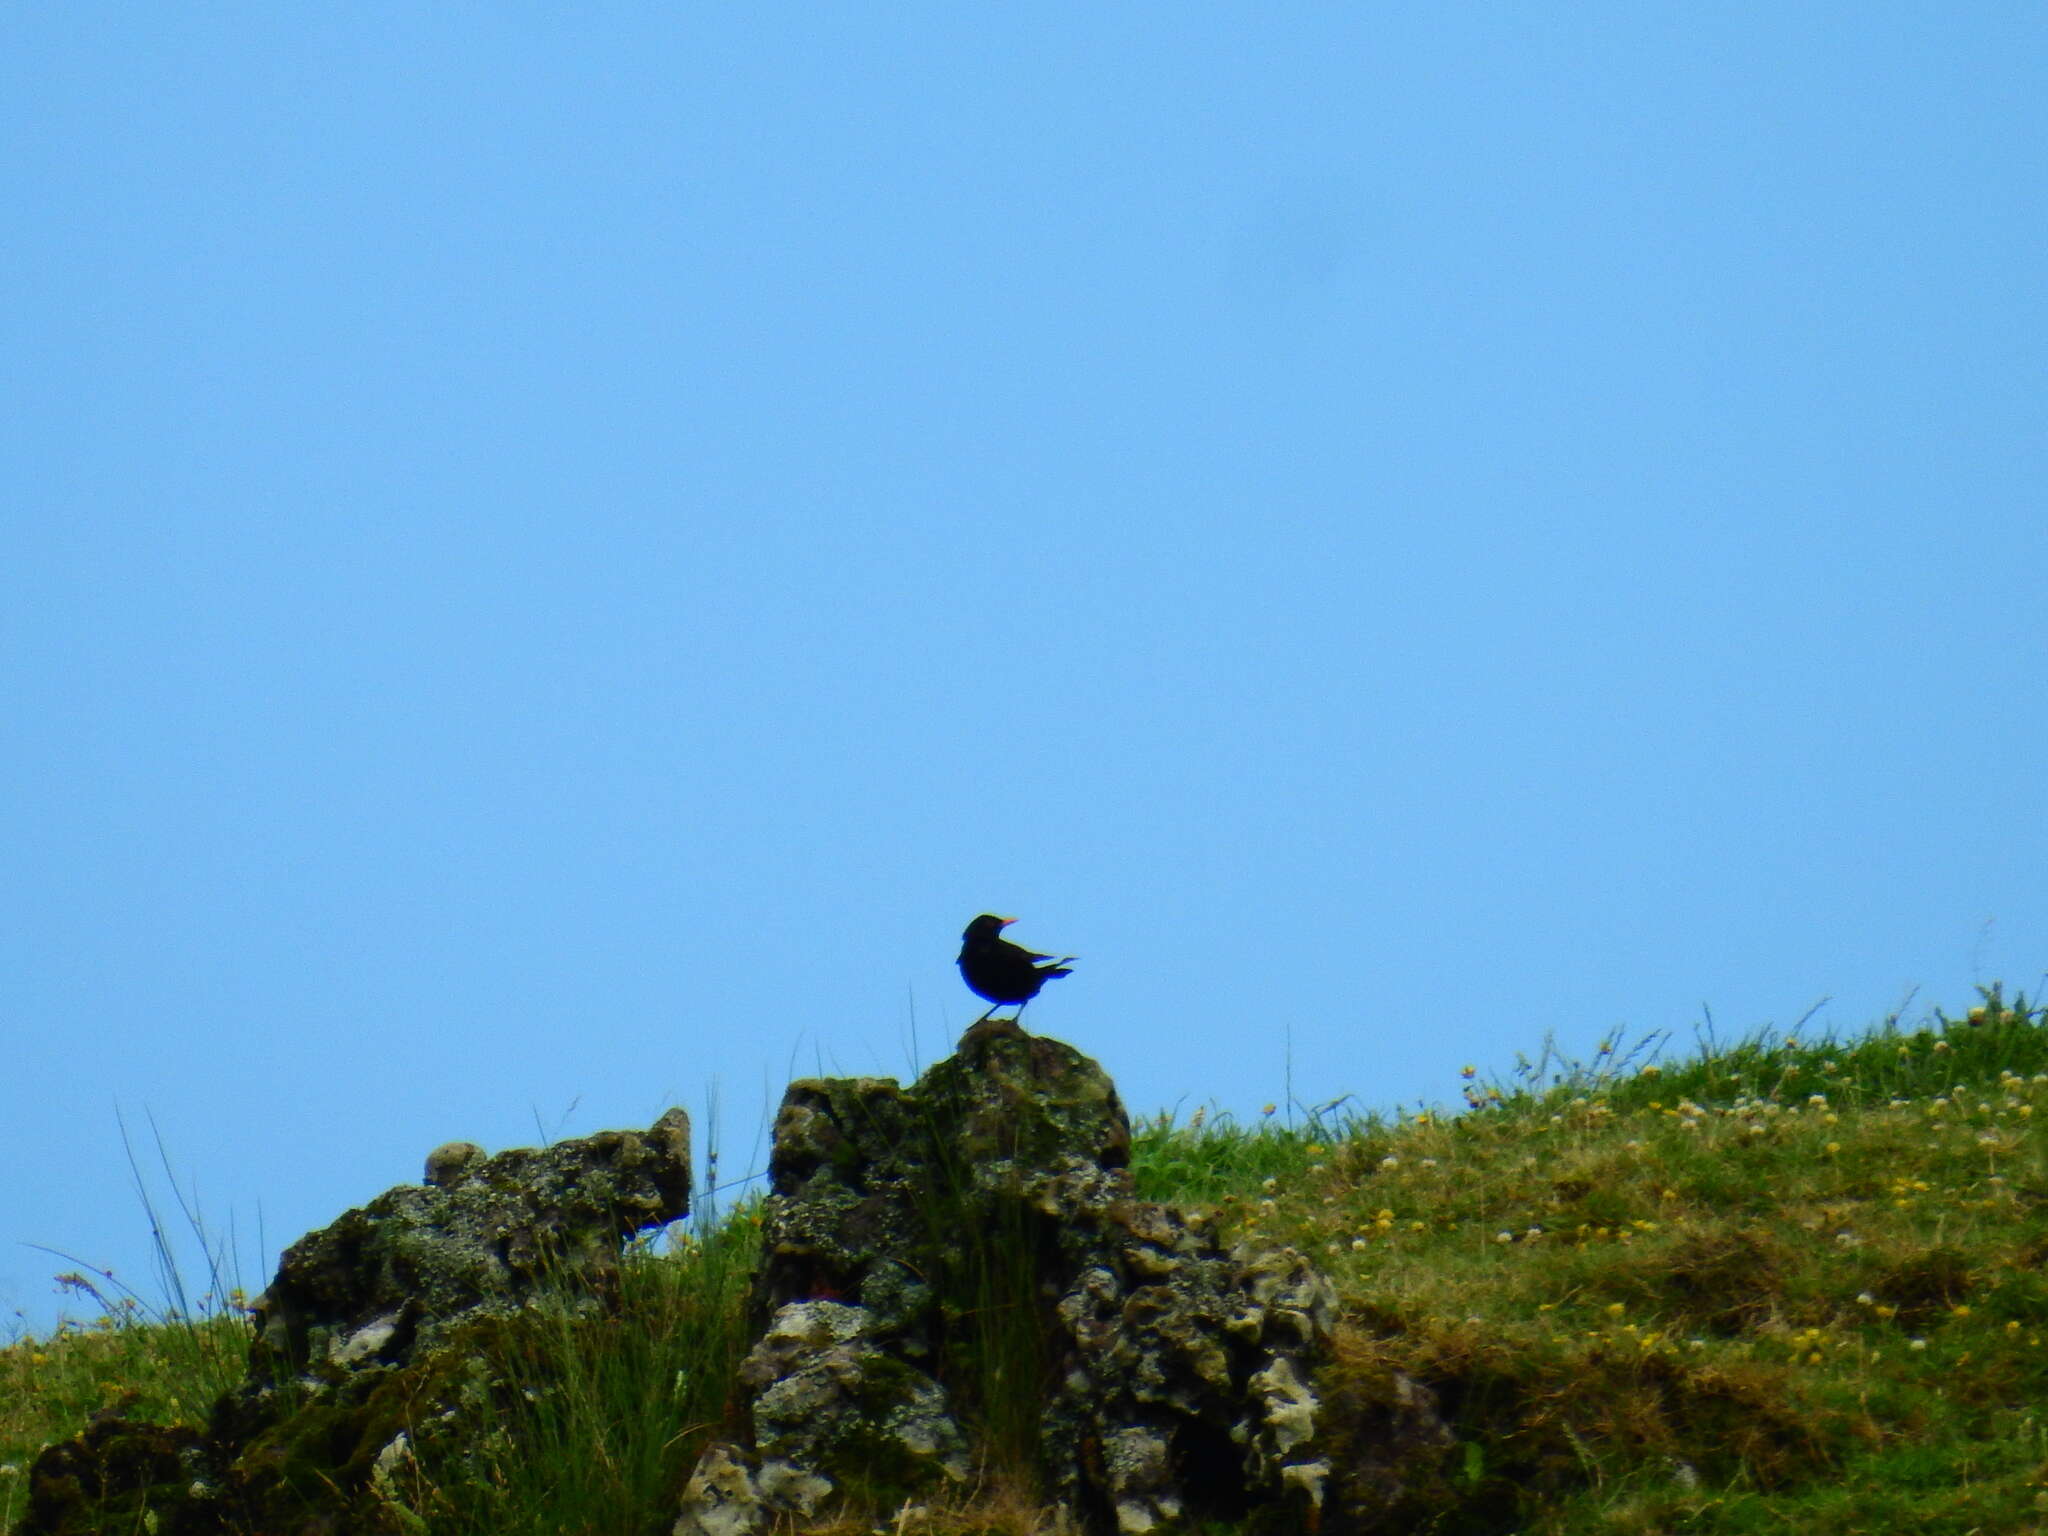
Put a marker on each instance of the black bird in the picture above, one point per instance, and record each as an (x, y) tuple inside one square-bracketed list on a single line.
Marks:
[(1000, 971)]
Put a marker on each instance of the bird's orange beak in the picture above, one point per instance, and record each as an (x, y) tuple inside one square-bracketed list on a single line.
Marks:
[(1006, 922)]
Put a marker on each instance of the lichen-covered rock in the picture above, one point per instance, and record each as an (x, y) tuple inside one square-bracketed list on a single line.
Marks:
[(721, 1498), (727, 1497), (827, 1396), (1005, 1096), (373, 1341), (1188, 1368), (447, 1163), (397, 1275), (979, 1230)]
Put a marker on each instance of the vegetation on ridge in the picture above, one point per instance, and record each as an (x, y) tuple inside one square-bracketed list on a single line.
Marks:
[(1777, 1284)]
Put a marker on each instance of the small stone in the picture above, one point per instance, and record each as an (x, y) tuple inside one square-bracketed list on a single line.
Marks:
[(449, 1162), (721, 1499)]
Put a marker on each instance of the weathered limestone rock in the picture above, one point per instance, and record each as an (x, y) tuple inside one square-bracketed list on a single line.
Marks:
[(722, 1498), (399, 1274), (363, 1346), (933, 1257), (827, 1395), (1186, 1364)]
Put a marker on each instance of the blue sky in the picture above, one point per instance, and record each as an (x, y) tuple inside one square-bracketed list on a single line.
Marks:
[(554, 559)]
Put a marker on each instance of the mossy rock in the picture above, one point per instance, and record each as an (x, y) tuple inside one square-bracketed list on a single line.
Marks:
[(122, 1474)]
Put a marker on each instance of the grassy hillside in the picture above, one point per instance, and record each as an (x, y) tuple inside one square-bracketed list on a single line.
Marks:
[(1786, 1284)]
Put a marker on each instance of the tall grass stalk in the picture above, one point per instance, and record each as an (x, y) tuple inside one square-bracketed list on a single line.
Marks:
[(203, 1336)]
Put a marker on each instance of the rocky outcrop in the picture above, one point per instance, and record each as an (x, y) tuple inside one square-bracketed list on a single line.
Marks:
[(963, 1263), (956, 1287), (361, 1345), (398, 1276)]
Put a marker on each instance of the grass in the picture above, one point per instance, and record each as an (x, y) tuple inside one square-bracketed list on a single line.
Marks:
[(1780, 1283), (165, 1360), (607, 1414)]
